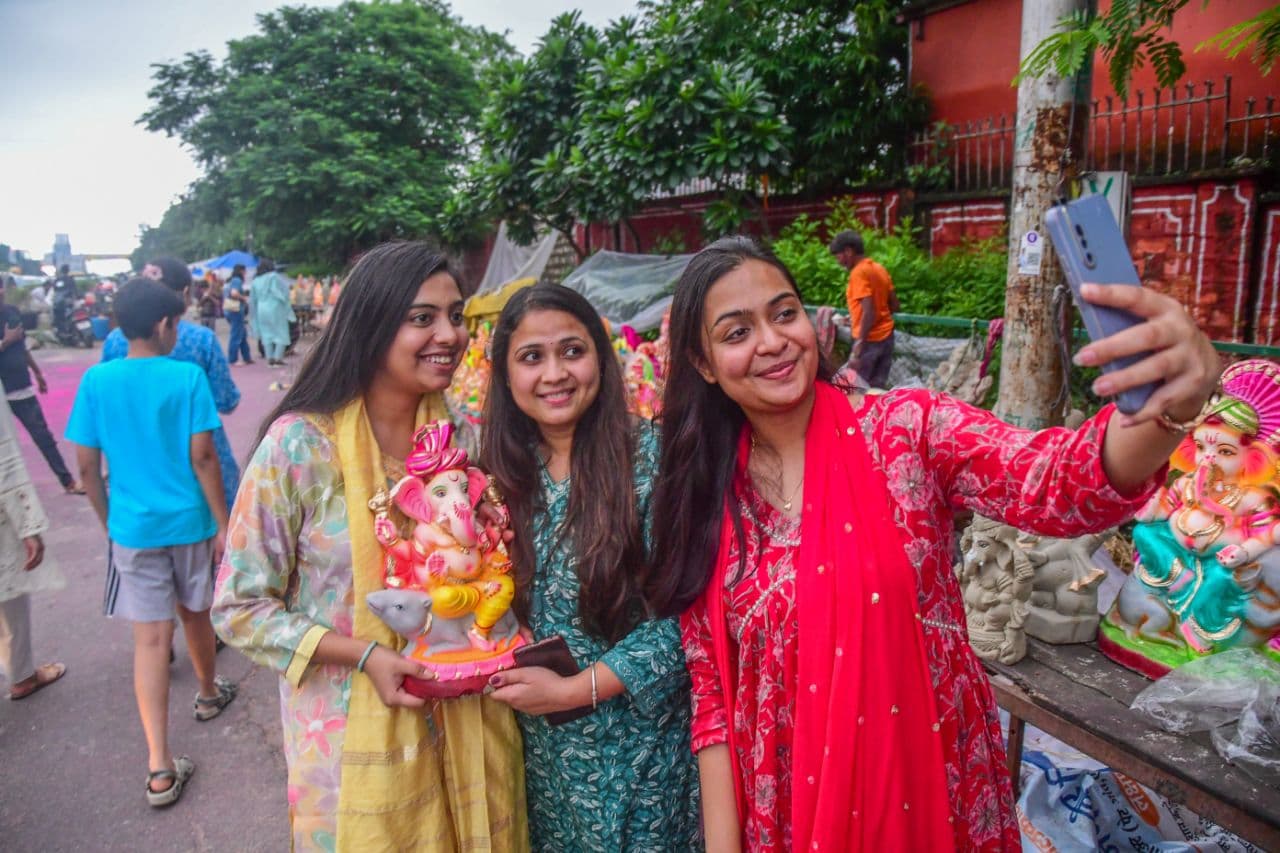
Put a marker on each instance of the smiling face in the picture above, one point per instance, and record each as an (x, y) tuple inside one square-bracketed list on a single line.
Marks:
[(553, 369), (760, 346), (432, 337)]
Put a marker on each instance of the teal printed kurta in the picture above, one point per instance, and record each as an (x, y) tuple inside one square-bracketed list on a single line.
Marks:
[(623, 778)]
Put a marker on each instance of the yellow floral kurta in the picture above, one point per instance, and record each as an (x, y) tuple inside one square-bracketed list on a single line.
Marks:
[(287, 570)]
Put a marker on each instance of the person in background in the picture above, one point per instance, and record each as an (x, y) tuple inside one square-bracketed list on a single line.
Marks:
[(152, 418), (209, 301), (270, 311), (24, 568), (201, 347), (235, 304), (872, 302), (16, 369)]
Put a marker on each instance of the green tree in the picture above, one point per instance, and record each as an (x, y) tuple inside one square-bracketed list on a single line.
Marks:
[(804, 95), (198, 225), (330, 130), (530, 168), (1133, 32)]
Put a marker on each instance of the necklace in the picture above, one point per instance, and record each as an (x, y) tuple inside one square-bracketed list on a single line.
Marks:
[(786, 504)]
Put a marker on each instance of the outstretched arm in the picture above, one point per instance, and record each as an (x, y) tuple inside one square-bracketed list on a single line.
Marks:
[(1182, 359)]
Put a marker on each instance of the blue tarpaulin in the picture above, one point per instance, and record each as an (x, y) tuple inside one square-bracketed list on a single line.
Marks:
[(230, 259)]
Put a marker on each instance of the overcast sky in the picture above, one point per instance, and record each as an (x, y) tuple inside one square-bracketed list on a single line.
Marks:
[(74, 80)]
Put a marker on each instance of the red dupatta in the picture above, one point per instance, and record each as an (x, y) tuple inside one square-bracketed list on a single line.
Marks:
[(868, 767)]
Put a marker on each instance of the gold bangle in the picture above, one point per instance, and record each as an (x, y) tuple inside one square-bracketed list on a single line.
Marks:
[(1168, 424), (595, 696)]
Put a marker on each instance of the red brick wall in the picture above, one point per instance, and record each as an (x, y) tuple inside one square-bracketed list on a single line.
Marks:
[(953, 223), (1193, 242), (965, 56), (683, 216), (1266, 323)]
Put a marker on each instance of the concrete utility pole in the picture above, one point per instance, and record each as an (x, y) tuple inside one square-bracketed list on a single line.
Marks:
[(1052, 118)]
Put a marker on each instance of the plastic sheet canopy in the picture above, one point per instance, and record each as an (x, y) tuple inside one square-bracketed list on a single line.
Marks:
[(629, 290)]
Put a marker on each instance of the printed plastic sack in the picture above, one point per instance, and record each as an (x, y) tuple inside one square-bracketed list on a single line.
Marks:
[(1233, 695)]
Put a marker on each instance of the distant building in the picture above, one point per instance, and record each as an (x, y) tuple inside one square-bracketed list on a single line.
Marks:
[(61, 254)]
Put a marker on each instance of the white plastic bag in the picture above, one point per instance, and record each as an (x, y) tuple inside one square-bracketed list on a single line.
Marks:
[(1233, 695)]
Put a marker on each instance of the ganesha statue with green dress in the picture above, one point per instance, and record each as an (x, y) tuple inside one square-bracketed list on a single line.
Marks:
[(1206, 576), (447, 575)]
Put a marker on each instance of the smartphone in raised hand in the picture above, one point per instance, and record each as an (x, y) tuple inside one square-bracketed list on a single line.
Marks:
[(1092, 249)]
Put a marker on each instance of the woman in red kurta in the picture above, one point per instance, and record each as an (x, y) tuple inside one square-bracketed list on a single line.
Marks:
[(837, 704)]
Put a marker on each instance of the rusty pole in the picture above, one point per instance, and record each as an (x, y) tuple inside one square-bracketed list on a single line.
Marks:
[(1048, 144)]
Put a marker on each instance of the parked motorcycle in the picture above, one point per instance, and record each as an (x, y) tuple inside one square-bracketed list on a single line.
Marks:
[(71, 323)]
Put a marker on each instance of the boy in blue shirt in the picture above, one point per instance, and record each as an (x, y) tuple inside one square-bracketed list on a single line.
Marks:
[(153, 418)]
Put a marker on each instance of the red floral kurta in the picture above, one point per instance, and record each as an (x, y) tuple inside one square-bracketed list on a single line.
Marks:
[(938, 455)]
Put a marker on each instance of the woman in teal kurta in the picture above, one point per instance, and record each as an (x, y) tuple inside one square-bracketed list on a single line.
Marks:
[(577, 473)]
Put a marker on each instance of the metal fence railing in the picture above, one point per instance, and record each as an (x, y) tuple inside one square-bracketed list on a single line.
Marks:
[(1183, 129)]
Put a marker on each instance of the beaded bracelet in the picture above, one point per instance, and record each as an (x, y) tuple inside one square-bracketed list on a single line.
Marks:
[(364, 658)]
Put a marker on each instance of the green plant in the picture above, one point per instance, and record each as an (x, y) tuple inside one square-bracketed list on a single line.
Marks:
[(669, 243), (966, 281), (818, 274)]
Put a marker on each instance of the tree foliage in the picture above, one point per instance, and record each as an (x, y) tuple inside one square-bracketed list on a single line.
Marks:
[(329, 130), (198, 225), (803, 95), (1134, 32), (530, 168)]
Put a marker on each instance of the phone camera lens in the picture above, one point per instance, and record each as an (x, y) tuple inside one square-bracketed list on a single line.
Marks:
[(1084, 244), (1080, 230), (1089, 260)]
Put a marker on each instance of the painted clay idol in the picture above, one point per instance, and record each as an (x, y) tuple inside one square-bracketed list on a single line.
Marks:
[(448, 579), (1207, 575)]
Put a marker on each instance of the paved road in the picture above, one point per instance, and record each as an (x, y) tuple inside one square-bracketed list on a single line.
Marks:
[(72, 757)]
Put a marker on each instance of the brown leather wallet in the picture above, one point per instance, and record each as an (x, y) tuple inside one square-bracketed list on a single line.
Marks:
[(553, 653)]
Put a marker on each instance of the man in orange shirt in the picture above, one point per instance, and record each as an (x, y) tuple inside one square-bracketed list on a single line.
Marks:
[(872, 301)]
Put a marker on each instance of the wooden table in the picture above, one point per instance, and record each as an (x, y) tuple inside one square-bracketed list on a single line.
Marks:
[(1082, 698)]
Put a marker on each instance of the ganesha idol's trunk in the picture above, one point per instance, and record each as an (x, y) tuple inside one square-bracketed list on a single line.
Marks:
[(1207, 476)]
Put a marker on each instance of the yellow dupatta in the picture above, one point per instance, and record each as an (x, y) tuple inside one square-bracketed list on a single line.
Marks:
[(441, 780)]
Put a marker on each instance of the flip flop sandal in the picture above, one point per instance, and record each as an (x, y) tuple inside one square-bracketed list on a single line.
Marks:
[(46, 674), (208, 707), (183, 768)]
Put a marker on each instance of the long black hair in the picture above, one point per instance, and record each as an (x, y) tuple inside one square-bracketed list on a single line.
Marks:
[(602, 525), (700, 429), (370, 310)]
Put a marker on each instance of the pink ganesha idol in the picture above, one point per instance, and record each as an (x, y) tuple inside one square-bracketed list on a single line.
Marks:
[(1207, 576), (448, 583)]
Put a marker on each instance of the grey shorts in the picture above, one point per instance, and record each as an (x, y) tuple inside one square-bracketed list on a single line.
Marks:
[(153, 580)]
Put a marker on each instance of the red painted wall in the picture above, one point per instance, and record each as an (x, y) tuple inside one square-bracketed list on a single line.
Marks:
[(1190, 240), (966, 56), (1266, 327), (953, 224), (1193, 242), (682, 217)]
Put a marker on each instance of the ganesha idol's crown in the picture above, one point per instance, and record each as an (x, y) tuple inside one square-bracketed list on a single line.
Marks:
[(432, 453), (1250, 399)]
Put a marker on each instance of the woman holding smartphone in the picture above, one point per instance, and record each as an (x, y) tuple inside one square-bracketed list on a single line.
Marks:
[(805, 533)]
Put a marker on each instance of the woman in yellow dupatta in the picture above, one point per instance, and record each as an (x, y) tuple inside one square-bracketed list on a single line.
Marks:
[(371, 767)]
